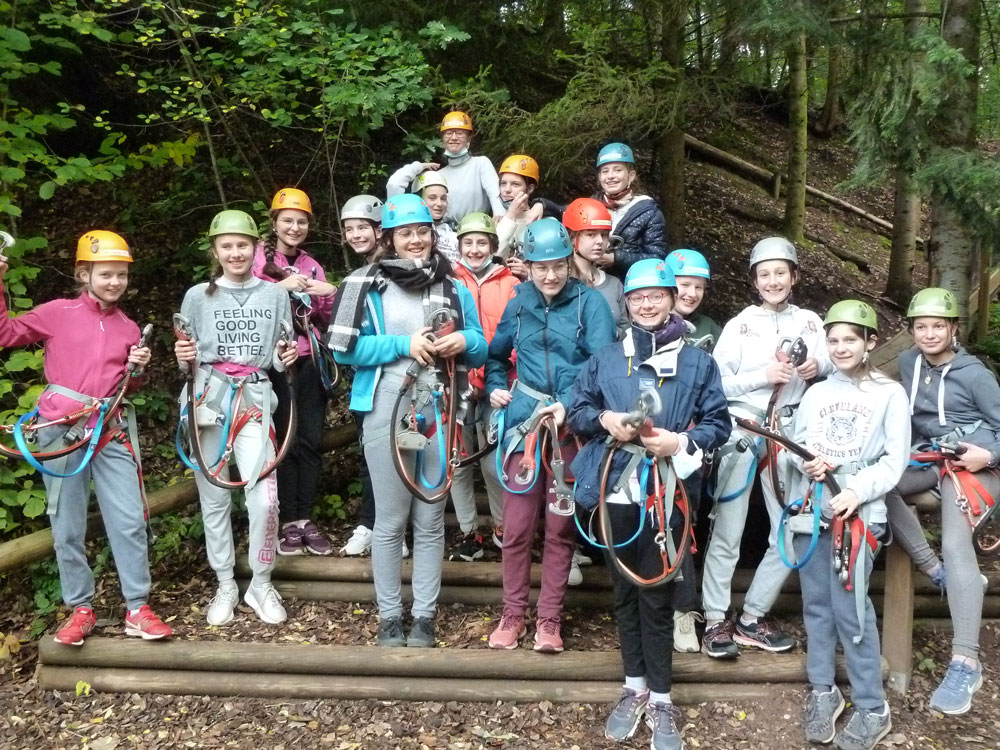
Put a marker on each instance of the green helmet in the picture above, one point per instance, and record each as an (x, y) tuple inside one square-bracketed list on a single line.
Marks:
[(476, 222), (933, 303), (233, 222), (852, 311)]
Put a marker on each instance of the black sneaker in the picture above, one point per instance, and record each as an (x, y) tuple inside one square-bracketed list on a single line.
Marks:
[(762, 634), (469, 549), (390, 632), (421, 633), (717, 641)]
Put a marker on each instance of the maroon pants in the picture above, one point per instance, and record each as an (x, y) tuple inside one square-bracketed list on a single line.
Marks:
[(520, 521)]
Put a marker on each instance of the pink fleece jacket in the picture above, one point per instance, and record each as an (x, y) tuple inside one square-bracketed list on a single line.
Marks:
[(86, 348), (306, 265)]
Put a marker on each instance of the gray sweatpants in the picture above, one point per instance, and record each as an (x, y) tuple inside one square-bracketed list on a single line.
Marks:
[(728, 521), (965, 588), (394, 506), (830, 617), (463, 495), (116, 484)]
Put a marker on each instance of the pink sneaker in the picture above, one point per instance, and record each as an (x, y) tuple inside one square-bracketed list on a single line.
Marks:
[(510, 630), (77, 627), (547, 637), (147, 625)]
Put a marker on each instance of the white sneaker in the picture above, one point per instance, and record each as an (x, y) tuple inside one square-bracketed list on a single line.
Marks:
[(685, 639), (266, 602), (360, 542), (406, 550), (580, 558), (575, 574), (220, 609)]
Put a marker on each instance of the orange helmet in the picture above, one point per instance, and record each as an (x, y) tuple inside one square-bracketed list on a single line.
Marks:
[(521, 164), (456, 121), (100, 245), (586, 213), (291, 198)]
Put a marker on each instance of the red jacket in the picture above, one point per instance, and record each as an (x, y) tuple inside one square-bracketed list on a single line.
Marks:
[(491, 295)]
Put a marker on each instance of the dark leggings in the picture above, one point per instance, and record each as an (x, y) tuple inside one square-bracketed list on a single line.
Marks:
[(366, 513)]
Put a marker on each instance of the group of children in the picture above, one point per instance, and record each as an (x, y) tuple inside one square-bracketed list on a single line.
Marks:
[(550, 330)]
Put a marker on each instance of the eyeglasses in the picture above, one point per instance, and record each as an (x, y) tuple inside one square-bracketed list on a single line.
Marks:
[(406, 234), (635, 298), (541, 271)]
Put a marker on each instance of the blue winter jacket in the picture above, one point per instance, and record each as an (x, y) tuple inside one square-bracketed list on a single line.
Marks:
[(643, 233), (552, 342), (692, 396), (375, 348)]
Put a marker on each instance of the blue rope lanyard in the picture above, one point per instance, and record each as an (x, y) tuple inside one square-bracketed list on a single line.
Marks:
[(814, 537), (22, 443)]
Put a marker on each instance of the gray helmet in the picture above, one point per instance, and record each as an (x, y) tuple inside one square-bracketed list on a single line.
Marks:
[(362, 207), (774, 248)]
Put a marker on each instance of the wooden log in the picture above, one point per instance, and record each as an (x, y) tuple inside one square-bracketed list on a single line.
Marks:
[(38, 545), (897, 618)]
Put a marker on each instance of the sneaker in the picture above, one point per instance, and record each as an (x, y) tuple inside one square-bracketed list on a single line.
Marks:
[(147, 625), (575, 577), (762, 634), (580, 558), (77, 627), (220, 609), (954, 695), (290, 540), (547, 638), (314, 540), (685, 639), (662, 719), (822, 710), (390, 632), (406, 550), (469, 549), (266, 602), (718, 641), (421, 633), (359, 544), (864, 730), (510, 630), (498, 537), (626, 715)]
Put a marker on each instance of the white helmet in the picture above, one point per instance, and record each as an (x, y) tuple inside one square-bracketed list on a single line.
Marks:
[(362, 207), (774, 248), (427, 179)]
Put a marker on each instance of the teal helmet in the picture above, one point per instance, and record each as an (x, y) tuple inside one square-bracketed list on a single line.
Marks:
[(405, 209), (546, 239), (649, 272), (614, 153), (685, 262)]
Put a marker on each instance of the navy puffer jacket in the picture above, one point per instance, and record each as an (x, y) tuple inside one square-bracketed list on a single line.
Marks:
[(643, 233)]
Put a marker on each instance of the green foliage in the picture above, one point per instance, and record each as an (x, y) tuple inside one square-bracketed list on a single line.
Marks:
[(170, 532), (331, 506), (990, 344)]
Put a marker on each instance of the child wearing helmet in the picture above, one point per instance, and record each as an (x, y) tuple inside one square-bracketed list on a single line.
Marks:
[(638, 228), (361, 225), (855, 424), (381, 320), (588, 222), (473, 183), (693, 420), (230, 331), (693, 274), (954, 401), (519, 175), (433, 188), (554, 323), (281, 258), (493, 286), (764, 386), (91, 347)]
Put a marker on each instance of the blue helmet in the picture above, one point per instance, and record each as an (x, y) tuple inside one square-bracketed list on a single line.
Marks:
[(615, 152), (647, 273), (407, 208), (546, 239), (685, 262)]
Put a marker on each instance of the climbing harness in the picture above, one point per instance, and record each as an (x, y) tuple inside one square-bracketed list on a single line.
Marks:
[(795, 353), (203, 409), (321, 356), (971, 496)]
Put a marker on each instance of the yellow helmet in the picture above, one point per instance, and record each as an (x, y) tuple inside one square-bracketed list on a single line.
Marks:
[(456, 121), (291, 198), (521, 164), (100, 245)]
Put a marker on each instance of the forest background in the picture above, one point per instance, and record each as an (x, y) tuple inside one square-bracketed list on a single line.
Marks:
[(147, 118)]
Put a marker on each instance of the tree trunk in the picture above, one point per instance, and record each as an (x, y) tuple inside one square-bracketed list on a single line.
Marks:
[(671, 146), (952, 248), (832, 116), (729, 39), (798, 122)]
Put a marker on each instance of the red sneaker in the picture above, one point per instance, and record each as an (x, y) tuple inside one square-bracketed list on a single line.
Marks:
[(146, 625), (77, 627)]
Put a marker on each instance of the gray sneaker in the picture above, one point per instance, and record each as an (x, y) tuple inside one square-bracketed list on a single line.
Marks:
[(390, 632), (421, 633), (864, 730), (822, 710), (626, 715), (954, 695), (663, 720)]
